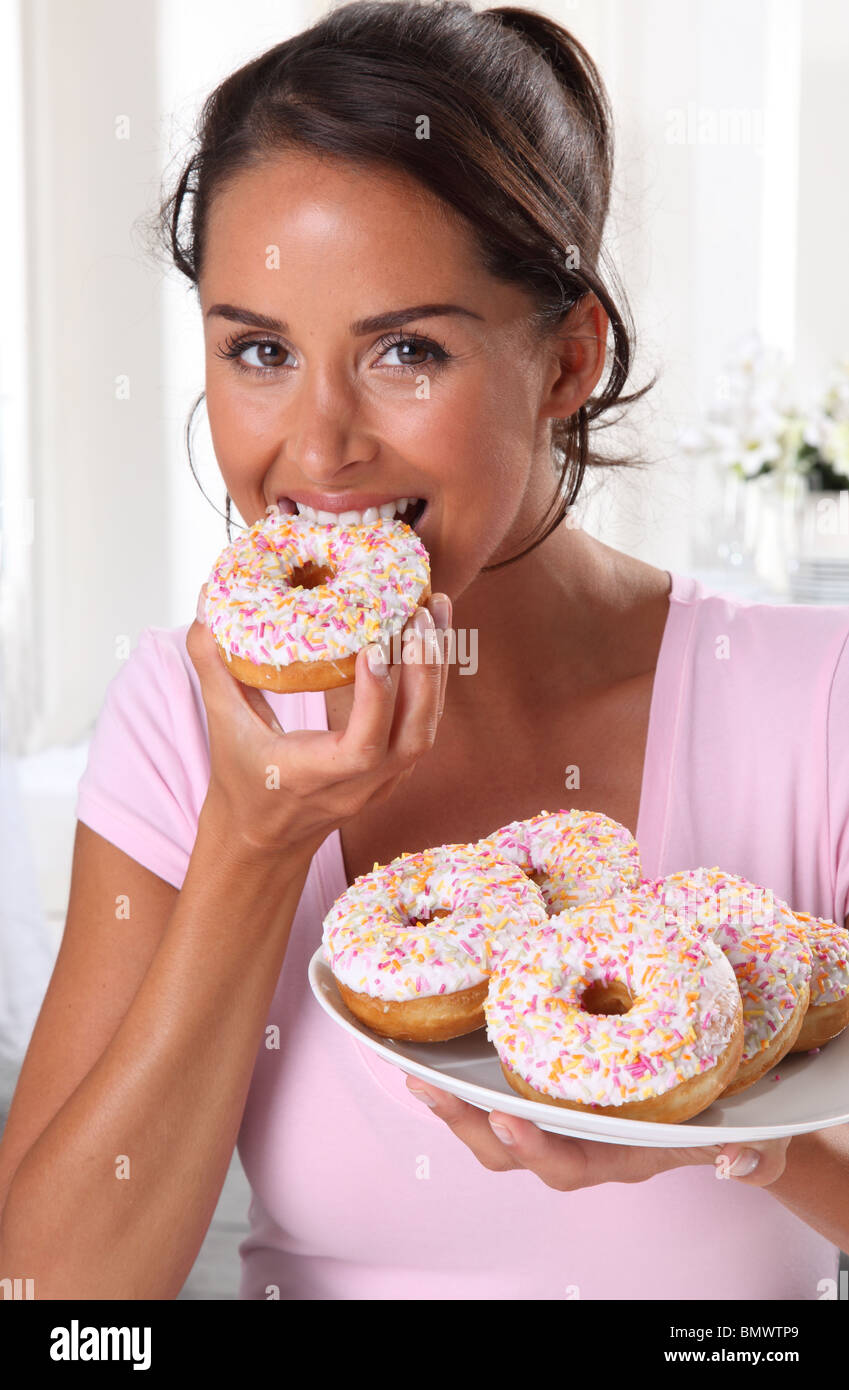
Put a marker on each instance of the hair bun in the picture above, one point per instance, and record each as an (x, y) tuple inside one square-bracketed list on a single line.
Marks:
[(570, 61), (530, 24)]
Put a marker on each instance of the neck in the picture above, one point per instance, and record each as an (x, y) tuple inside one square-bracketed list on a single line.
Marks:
[(572, 616), (553, 616)]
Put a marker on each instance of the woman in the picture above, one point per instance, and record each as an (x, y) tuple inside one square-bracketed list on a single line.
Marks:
[(395, 235)]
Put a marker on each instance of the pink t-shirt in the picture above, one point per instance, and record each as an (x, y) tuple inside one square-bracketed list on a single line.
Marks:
[(359, 1192)]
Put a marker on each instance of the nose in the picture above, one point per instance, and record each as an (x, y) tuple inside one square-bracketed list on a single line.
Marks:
[(323, 433)]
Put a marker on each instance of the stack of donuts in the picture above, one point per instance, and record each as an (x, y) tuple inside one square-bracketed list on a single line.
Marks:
[(600, 989)]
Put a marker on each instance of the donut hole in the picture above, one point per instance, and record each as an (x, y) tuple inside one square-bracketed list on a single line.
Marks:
[(310, 575), (610, 997), (423, 921)]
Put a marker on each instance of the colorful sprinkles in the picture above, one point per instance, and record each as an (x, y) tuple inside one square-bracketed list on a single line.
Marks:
[(378, 574), (575, 856), (758, 933), (554, 906), (685, 1004), (384, 936), (828, 944)]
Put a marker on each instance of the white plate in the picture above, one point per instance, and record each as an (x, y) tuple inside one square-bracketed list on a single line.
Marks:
[(812, 1092)]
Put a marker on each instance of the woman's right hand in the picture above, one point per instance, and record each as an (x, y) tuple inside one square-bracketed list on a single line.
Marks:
[(274, 790)]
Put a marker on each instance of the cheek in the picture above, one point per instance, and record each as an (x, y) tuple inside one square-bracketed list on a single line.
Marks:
[(492, 415), (478, 422), (244, 425)]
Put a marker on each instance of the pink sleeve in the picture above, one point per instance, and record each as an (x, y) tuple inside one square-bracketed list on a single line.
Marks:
[(148, 763), (838, 778)]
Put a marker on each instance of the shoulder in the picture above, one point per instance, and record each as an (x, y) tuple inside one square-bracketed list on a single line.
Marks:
[(756, 642), (156, 683), (152, 722), (159, 680), (148, 760), (759, 699), (161, 654)]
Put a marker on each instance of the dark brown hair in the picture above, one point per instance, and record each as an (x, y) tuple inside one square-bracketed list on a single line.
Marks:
[(520, 142)]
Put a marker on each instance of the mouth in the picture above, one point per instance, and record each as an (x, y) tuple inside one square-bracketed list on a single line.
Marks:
[(407, 509)]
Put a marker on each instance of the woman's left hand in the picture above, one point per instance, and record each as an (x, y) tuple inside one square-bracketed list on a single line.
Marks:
[(501, 1142)]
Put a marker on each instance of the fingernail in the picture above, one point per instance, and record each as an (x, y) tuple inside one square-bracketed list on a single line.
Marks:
[(440, 607), (376, 658), (423, 622), (423, 1096), (745, 1163), (502, 1133), (202, 605)]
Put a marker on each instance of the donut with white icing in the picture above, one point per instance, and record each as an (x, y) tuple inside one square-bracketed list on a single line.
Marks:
[(411, 944), (573, 856), (609, 1010), (764, 943), (828, 1010), (291, 602)]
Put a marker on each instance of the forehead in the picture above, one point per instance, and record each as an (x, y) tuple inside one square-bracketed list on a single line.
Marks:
[(333, 220)]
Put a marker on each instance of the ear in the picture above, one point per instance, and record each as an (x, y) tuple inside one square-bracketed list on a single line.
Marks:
[(578, 350)]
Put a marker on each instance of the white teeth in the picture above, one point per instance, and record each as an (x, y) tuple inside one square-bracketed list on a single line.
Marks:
[(387, 511)]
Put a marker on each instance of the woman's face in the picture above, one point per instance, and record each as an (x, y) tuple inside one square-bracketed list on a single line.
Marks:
[(321, 408)]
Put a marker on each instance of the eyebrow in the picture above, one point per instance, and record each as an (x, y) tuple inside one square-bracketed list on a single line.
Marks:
[(394, 318)]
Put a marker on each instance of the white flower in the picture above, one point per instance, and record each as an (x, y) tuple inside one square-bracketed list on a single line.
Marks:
[(836, 400), (795, 435), (835, 445), (693, 440), (754, 421)]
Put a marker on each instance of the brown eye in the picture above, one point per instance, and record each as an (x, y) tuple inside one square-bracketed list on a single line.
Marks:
[(268, 354), (435, 354), (407, 352), (236, 349)]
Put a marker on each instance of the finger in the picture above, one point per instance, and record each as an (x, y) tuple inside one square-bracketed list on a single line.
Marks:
[(365, 740), (567, 1163), (223, 695), (757, 1165), (417, 703), (441, 609), (560, 1161), (469, 1124)]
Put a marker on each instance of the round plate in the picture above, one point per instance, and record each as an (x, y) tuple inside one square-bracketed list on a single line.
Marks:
[(804, 1091)]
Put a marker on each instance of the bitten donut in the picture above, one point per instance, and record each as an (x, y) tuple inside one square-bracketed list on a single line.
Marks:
[(574, 857), (608, 1009), (766, 946), (828, 1010), (411, 944), (291, 602)]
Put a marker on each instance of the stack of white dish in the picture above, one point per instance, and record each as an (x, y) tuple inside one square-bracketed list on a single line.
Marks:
[(823, 579)]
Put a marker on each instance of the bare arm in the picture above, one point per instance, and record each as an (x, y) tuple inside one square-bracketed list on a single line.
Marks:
[(164, 1100), (815, 1182), (130, 1098)]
